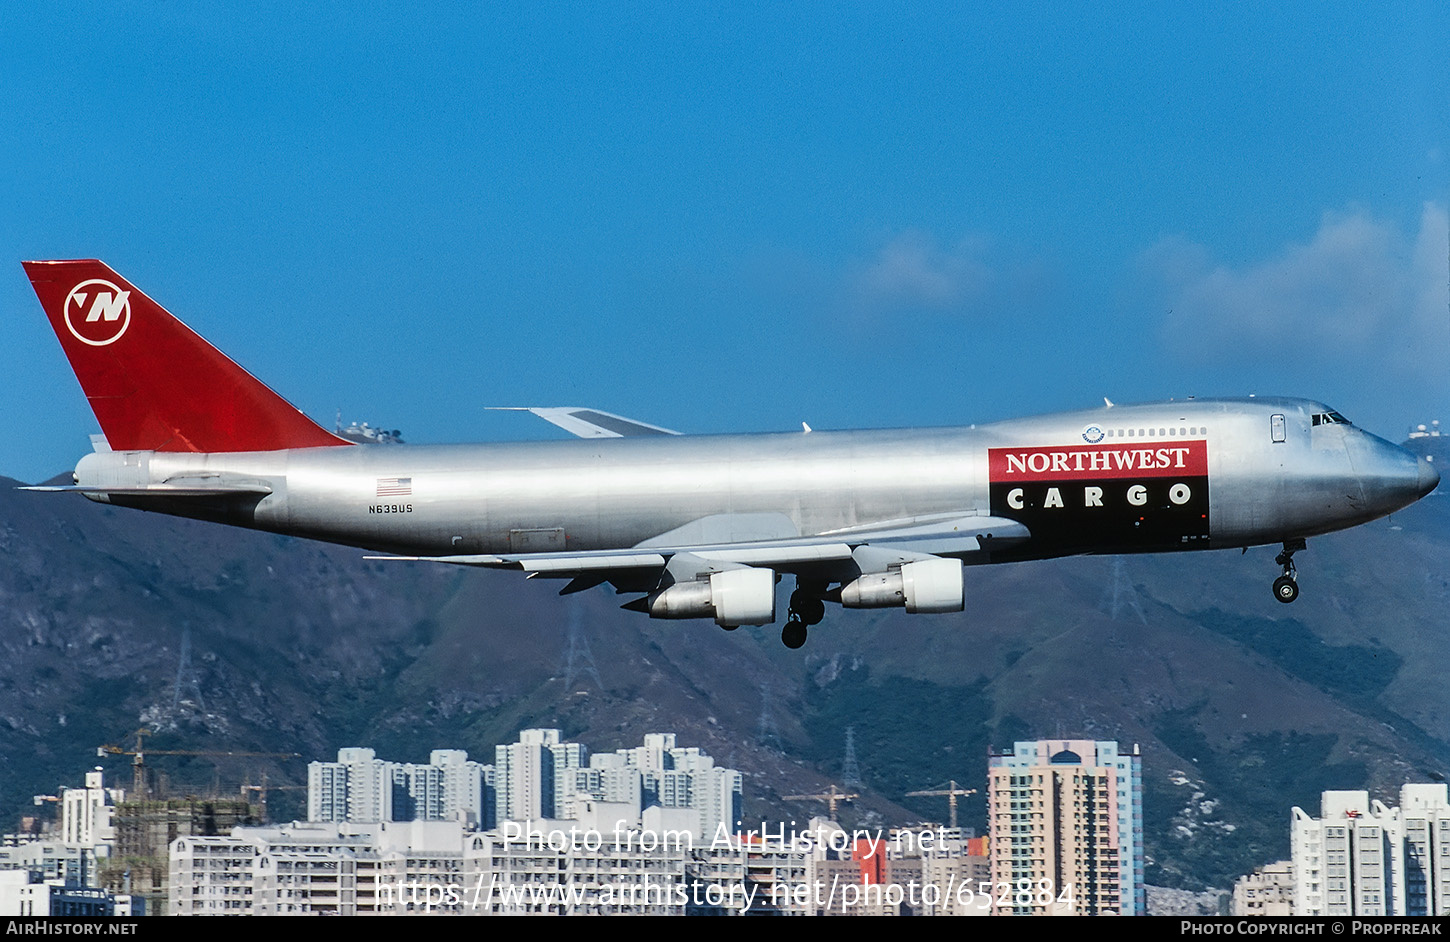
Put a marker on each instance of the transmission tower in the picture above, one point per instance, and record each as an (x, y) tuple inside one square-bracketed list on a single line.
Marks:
[(850, 770), (1120, 594), (185, 676), (578, 659), (766, 733)]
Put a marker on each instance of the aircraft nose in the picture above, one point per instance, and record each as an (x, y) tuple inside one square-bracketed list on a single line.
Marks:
[(1409, 477), (1390, 476)]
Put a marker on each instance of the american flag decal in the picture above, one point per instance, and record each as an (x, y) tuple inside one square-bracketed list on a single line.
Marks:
[(395, 487)]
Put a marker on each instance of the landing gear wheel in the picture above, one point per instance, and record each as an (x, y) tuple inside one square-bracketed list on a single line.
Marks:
[(1286, 589), (807, 608), (729, 627), (793, 635)]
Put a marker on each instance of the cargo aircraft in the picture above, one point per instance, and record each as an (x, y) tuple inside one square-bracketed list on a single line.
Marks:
[(706, 526)]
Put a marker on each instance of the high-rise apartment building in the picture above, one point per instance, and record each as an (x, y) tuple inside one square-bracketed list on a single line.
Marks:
[(1363, 858), (524, 776), (542, 777), (1268, 891), (538, 778), (467, 788), (361, 787), (674, 776), (86, 812), (1065, 820)]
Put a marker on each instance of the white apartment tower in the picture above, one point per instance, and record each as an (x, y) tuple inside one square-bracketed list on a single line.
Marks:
[(524, 776), (1267, 892), (467, 788), (539, 777), (85, 813), (361, 787), (677, 777), (1363, 858)]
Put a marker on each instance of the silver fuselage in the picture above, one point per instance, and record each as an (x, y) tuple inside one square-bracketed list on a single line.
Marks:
[(1208, 474)]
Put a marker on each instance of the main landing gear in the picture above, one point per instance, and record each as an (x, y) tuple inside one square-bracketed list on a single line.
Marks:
[(806, 609), (1286, 589)]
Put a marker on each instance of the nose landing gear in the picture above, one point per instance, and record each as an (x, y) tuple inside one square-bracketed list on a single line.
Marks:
[(1286, 589)]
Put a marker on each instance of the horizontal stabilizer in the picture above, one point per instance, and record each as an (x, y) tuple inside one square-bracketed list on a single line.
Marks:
[(590, 423), (157, 490)]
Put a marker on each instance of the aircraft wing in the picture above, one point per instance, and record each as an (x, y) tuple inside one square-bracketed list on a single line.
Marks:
[(590, 423), (767, 540)]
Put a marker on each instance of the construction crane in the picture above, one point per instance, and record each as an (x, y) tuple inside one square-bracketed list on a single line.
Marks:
[(138, 762), (832, 798), (951, 791), (261, 792)]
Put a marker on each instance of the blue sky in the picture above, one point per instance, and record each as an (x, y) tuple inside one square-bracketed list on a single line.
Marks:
[(738, 217)]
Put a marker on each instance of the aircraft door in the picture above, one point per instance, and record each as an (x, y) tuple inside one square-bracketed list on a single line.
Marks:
[(1276, 428)]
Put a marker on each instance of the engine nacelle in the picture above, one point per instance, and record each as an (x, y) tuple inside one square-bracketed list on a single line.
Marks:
[(929, 585), (733, 597)]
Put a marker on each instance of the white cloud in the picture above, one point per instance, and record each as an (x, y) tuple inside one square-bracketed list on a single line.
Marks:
[(1359, 290), (913, 272)]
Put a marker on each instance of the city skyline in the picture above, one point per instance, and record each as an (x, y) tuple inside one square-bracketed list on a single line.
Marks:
[(1064, 814)]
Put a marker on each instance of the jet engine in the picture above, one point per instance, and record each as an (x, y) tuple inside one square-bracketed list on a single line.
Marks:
[(733, 597), (928, 585)]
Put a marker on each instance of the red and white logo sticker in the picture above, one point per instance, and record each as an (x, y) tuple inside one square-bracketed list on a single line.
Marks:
[(97, 312)]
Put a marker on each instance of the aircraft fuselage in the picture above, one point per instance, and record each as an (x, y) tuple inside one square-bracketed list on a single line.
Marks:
[(1195, 474)]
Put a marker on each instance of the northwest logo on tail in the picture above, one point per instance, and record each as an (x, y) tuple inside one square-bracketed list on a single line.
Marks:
[(107, 317)]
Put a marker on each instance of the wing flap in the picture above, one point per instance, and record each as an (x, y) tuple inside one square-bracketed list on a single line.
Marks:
[(931, 546), (546, 563), (945, 526), (941, 535)]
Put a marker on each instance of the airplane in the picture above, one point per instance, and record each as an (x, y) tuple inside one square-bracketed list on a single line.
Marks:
[(705, 526)]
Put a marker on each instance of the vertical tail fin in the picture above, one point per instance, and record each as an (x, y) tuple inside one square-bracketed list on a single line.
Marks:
[(152, 382)]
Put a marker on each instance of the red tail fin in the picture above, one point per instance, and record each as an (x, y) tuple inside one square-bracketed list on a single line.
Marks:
[(152, 382)]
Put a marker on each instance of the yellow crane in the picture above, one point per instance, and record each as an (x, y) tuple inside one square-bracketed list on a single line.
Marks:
[(138, 760), (952, 791), (832, 798), (261, 792)]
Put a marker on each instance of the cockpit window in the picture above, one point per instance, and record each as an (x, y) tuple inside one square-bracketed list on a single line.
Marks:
[(1330, 418)]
